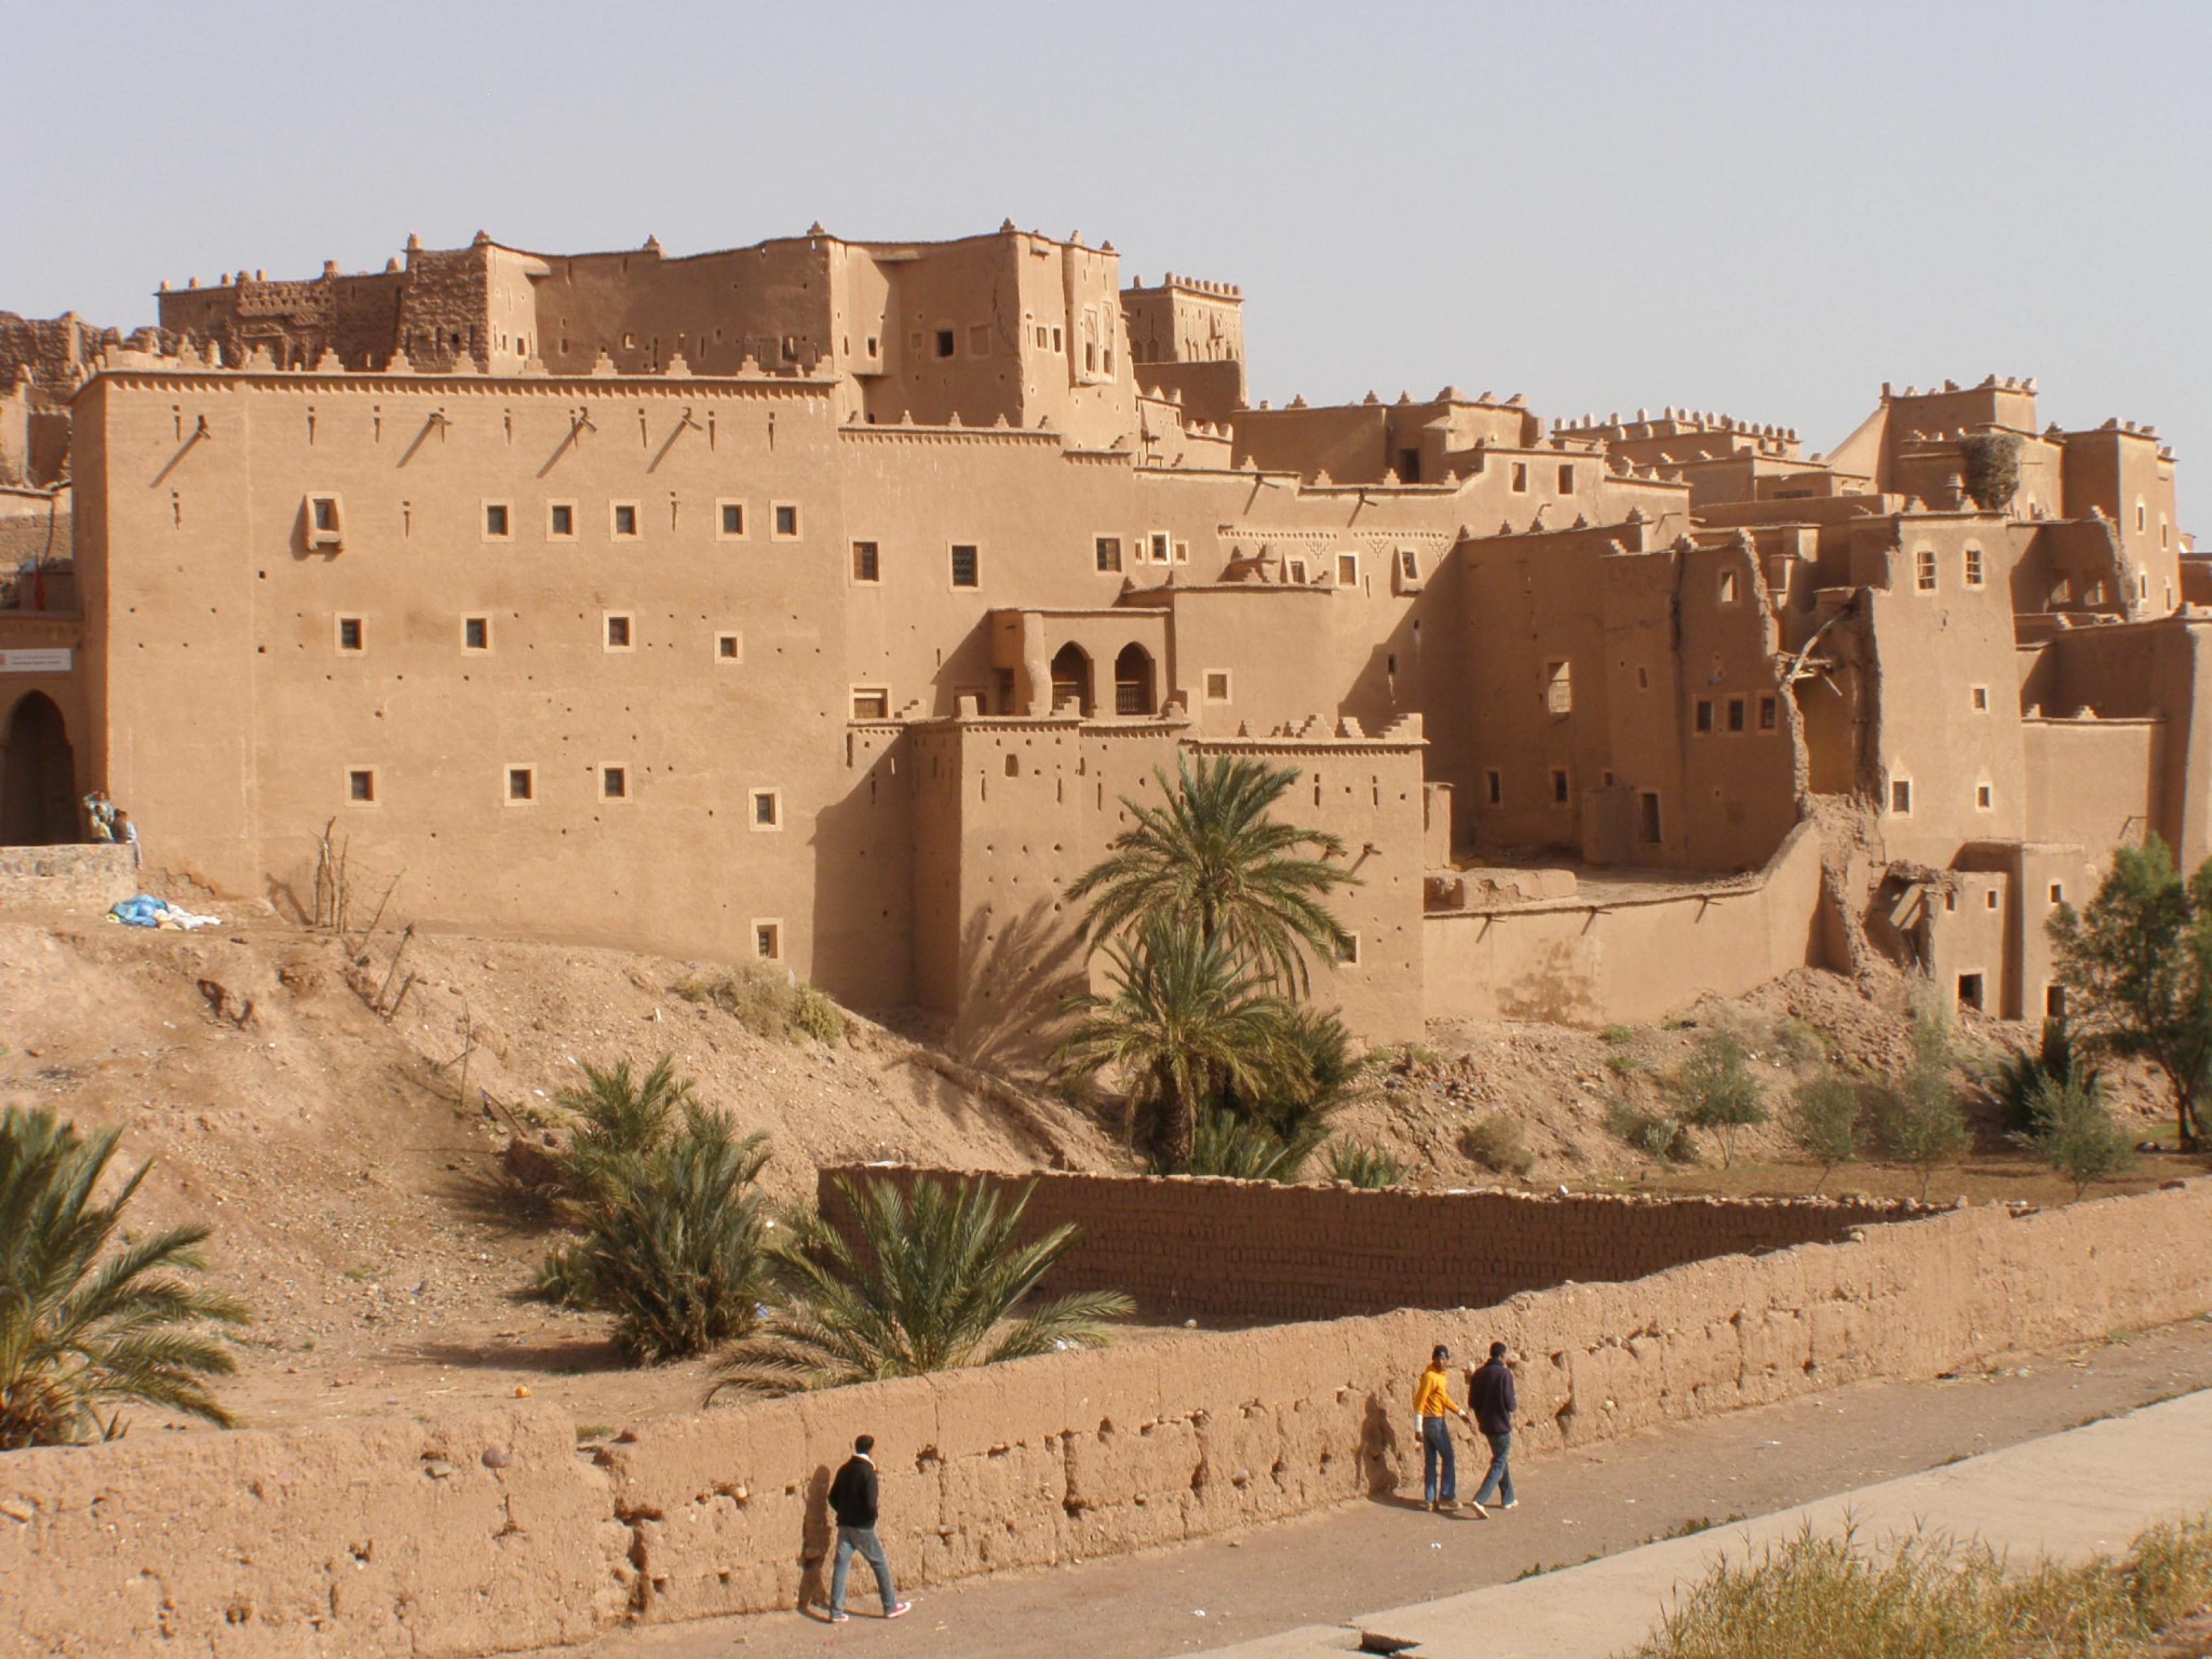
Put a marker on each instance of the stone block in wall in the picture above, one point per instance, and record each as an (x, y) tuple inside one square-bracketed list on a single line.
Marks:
[(86, 878)]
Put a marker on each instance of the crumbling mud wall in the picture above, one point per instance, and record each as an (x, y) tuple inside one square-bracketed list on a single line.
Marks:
[(1256, 1250), (90, 877), (390, 1538)]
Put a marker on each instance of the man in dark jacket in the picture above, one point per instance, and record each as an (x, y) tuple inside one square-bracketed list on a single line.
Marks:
[(1490, 1392), (853, 1500)]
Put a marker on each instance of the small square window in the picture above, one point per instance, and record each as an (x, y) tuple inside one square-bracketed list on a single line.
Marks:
[(1981, 699), (786, 521), (1217, 685), (1984, 797), (521, 784), (966, 567), (945, 342), (1348, 952), (1705, 720), (325, 524), (1493, 787), (1970, 989), (767, 809), (1924, 571), (624, 519), (872, 702), (351, 634), (619, 632), (496, 521), (361, 786), (1769, 713), (325, 511), (1347, 569), (1107, 552), (1900, 796), (729, 648), (768, 941), (1735, 714), (1160, 554), (560, 521), (476, 633), (1558, 786), (729, 520), (867, 562)]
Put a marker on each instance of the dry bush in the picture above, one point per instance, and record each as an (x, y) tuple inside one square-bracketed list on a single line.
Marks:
[(1813, 1597), (769, 1002), (1652, 1133), (1496, 1143)]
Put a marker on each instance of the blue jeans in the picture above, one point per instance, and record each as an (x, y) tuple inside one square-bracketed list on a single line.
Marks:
[(1500, 1478), (1436, 1450), (861, 1541)]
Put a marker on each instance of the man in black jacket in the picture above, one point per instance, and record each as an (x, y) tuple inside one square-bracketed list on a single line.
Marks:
[(1490, 1392), (853, 1500)]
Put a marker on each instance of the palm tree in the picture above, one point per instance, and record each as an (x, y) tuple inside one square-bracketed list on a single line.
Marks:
[(1244, 1149), (1187, 1014), (84, 1326), (929, 1285), (680, 1255), (619, 1120), (1210, 853)]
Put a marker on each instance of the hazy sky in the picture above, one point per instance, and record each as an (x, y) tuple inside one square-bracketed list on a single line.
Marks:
[(1766, 210)]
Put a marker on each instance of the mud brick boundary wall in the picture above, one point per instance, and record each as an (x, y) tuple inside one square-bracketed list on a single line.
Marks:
[(88, 876), (1257, 1250), (488, 1533)]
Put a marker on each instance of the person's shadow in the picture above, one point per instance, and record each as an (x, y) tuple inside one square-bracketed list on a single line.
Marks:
[(818, 1540)]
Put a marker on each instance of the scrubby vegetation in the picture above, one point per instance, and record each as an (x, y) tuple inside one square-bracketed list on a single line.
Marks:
[(1496, 1143), (2070, 1130), (1819, 1597), (1357, 1163), (1718, 1091), (1652, 1133), (769, 1002), (94, 1317), (1921, 1124), (1823, 1120)]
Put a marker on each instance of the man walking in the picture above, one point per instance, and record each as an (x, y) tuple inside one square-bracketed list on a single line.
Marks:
[(1431, 1401), (853, 1500), (1489, 1391)]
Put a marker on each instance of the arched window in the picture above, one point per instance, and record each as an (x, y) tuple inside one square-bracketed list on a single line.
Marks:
[(1071, 678), (38, 777), (1132, 681)]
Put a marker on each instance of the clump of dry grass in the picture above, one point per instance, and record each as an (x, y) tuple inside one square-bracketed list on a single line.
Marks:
[(1932, 1597), (1496, 1143), (769, 1002)]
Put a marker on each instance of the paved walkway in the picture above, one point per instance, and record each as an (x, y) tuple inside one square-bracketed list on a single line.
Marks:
[(1323, 1569), (2069, 1496)]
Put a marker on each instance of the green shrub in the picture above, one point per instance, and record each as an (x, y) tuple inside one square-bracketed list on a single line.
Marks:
[(1357, 1163), (1652, 1133), (1622, 1064), (767, 1001), (2074, 1133), (1991, 475), (1222, 1144), (2058, 1057), (1921, 1124), (1496, 1143), (1823, 1119), (93, 1317), (1617, 1034), (681, 1258), (1799, 1042), (1719, 1090), (936, 1281)]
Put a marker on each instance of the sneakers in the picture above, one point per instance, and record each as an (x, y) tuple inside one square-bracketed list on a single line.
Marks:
[(1480, 1514), (841, 1618), (1514, 1504), (902, 1608)]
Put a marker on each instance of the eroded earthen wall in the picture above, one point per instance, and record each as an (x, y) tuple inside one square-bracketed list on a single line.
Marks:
[(1240, 1249), (381, 1537)]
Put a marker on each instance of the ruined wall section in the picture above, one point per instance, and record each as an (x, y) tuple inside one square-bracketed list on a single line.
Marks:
[(1184, 1245)]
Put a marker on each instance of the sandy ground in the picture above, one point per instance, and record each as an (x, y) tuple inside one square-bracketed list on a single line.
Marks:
[(1574, 1506)]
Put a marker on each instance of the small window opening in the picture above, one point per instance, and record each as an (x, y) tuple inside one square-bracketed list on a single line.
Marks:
[(1735, 713), (871, 703), (349, 633), (361, 786), (1984, 797), (521, 784), (495, 519), (2054, 1002), (867, 564), (768, 941), (1520, 476), (944, 342), (476, 633), (561, 520), (1973, 571), (786, 520), (1560, 687), (733, 518), (1558, 786), (1990, 900), (727, 648), (1566, 480), (1970, 989), (966, 567), (1727, 587), (1900, 796), (767, 809), (1347, 569), (614, 783), (625, 519), (1107, 552), (1650, 802), (1923, 566), (1493, 787), (1217, 685), (1704, 717), (1769, 713), (1981, 698)]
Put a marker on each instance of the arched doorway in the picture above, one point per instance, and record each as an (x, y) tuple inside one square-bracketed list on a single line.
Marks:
[(38, 777), (1071, 677), (1132, 681)]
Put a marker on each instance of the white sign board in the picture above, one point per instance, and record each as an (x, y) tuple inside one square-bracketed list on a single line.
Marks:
[(53, 660)]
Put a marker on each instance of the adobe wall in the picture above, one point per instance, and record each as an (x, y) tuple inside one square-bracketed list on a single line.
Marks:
[(398, 1538), (1590, 961), (89, 877), (1255, 1250)]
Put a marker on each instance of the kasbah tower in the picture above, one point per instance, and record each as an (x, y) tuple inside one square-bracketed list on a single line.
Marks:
[(822, 600)]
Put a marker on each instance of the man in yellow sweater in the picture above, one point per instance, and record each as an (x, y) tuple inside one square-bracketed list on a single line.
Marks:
[(1432, 1401)]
